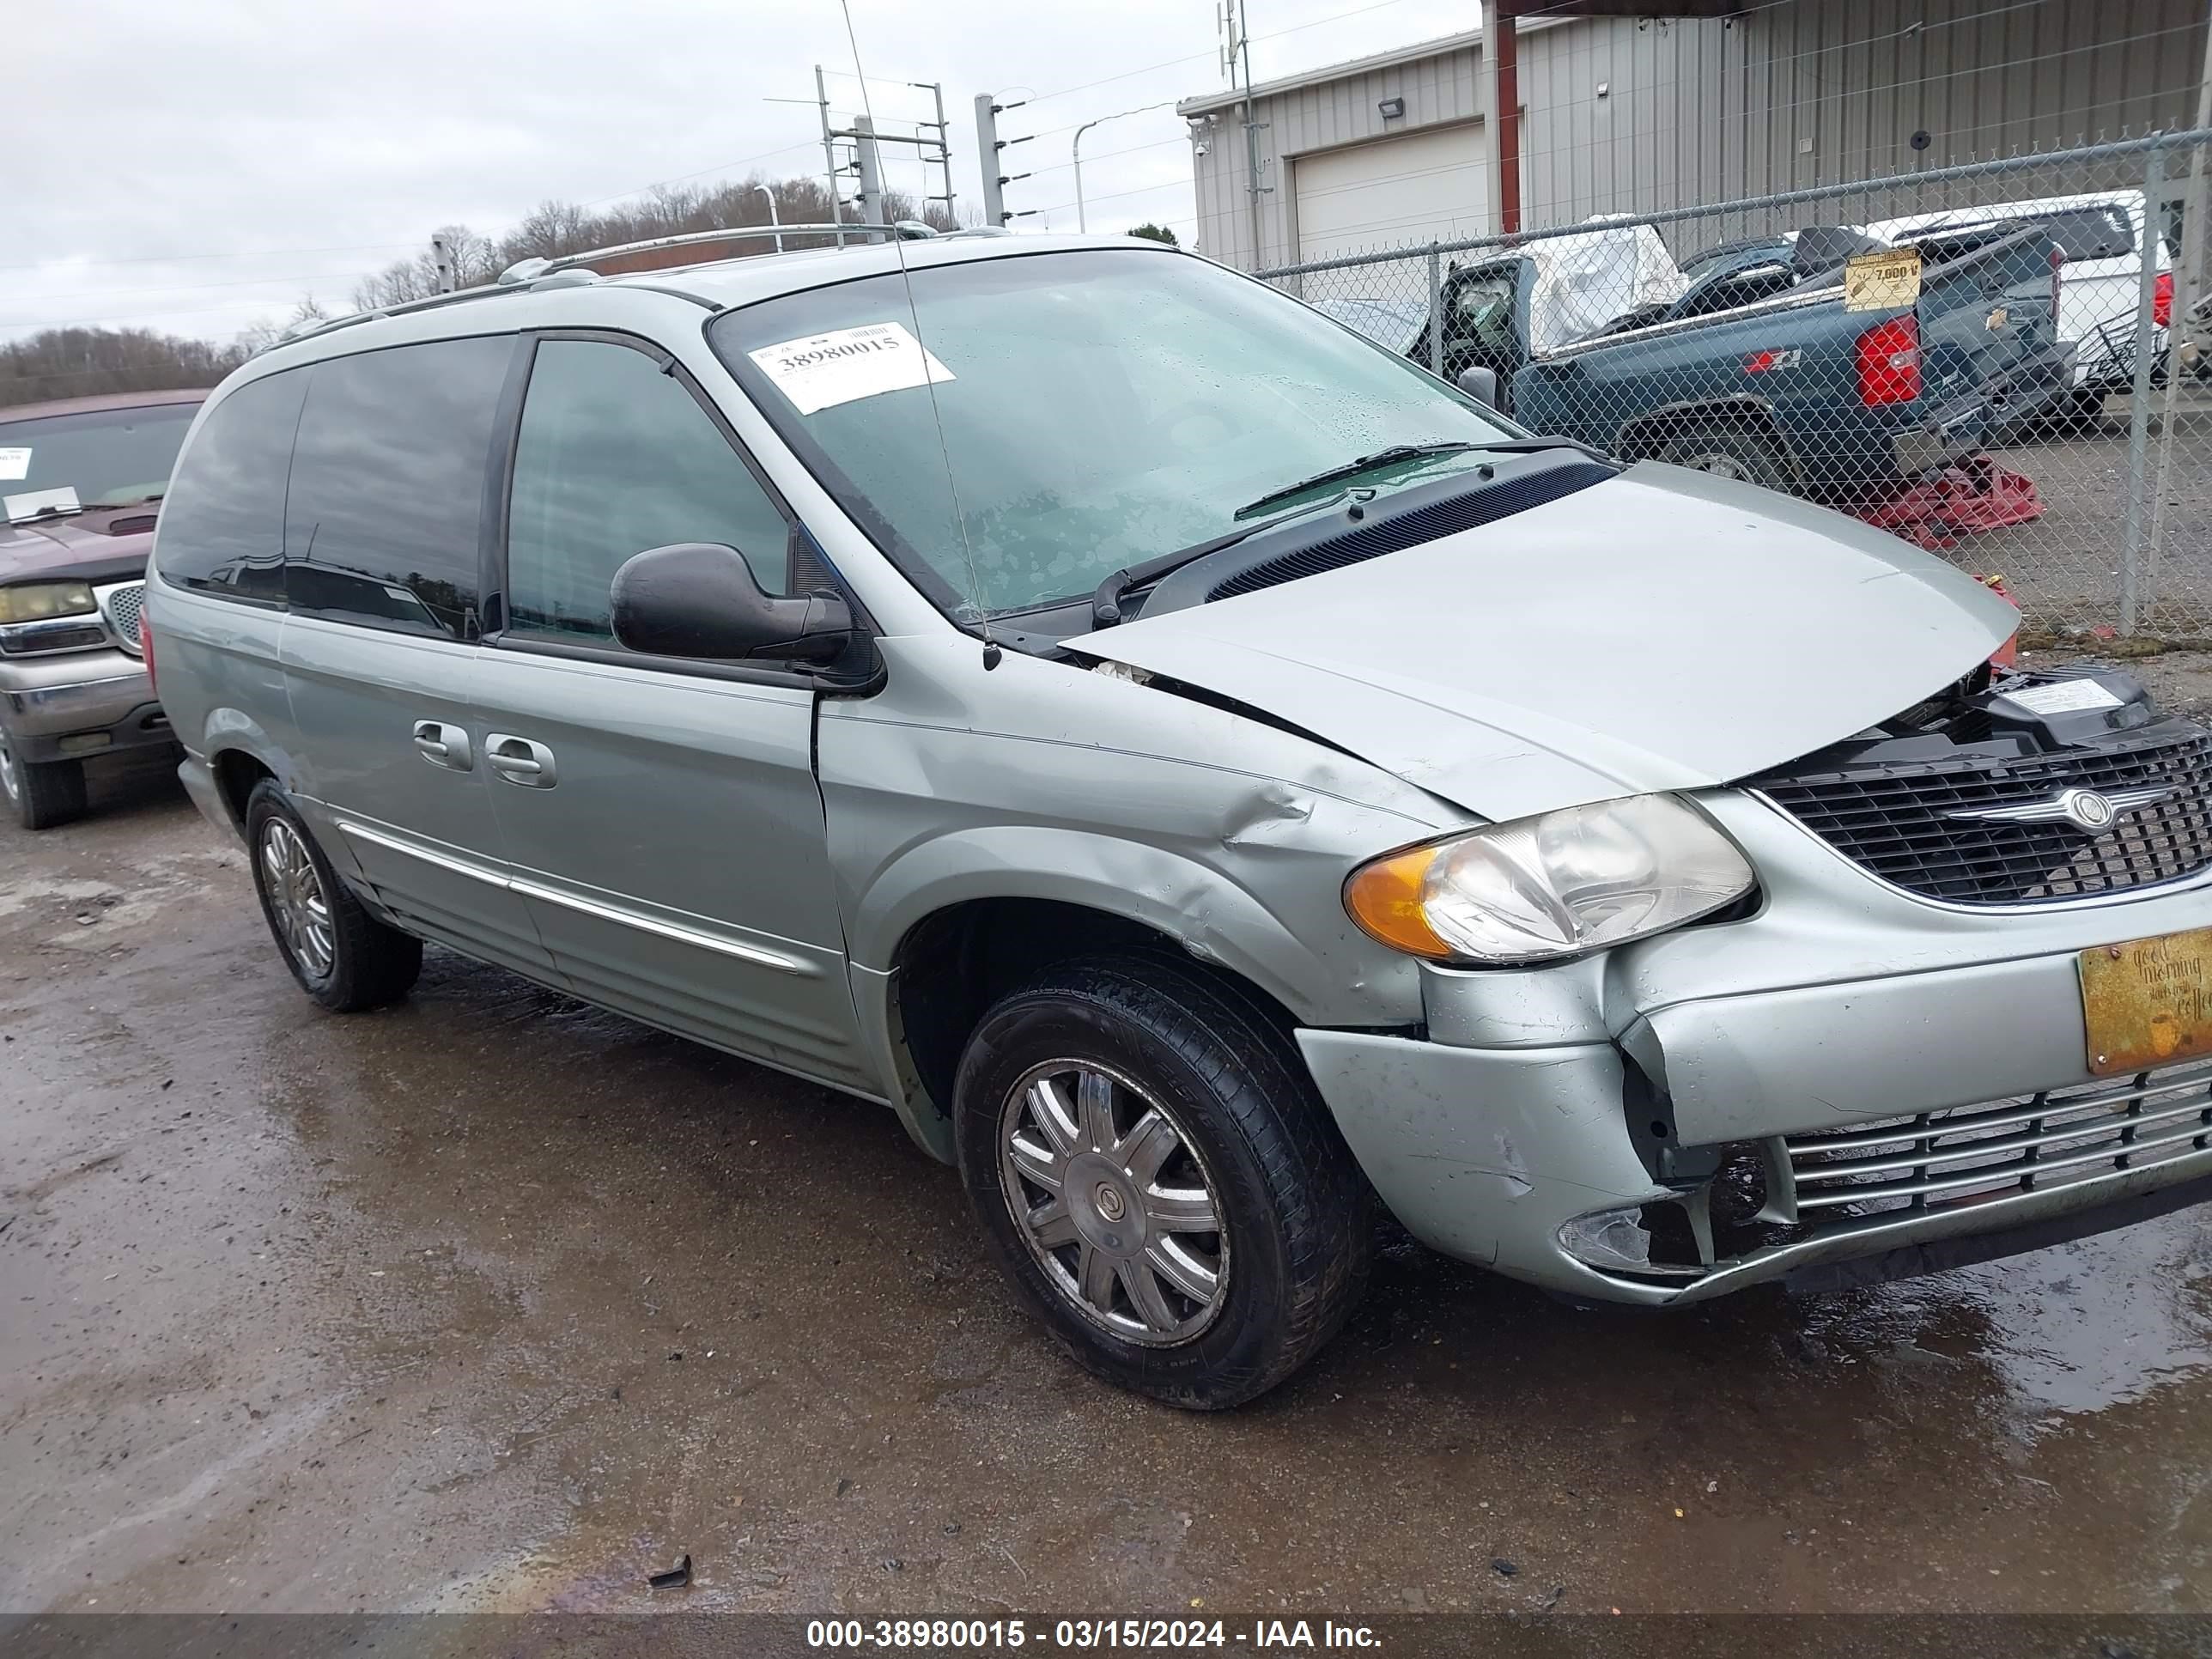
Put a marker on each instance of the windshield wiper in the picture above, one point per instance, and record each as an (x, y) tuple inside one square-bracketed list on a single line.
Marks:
[(1106, 602), (1353, 468)]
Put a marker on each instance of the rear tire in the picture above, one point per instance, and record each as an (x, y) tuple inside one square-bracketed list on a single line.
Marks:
[(41, 793), (1728, 450), (1126, 1272), (343, 956)]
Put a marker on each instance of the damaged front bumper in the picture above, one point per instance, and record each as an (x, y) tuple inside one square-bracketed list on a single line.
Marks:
[(1851, 1084)]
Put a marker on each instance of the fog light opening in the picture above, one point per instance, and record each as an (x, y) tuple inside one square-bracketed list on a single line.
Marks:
[(1612, 1241)]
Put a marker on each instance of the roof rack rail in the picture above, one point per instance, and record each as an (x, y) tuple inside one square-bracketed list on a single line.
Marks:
[(529, 270), (307, 330), (570, 269)]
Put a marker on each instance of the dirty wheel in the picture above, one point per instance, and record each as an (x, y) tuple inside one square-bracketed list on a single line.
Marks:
[(343, 956), (41, 793), (1158, 1178), (1728, 451)]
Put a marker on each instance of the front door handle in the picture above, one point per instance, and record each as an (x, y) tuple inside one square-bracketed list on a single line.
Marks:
[(521, 761), (443, 745)]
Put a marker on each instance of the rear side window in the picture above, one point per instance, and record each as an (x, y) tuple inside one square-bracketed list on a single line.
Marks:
[(383, 524), (221, 528), (2098, 233), (615, 457)]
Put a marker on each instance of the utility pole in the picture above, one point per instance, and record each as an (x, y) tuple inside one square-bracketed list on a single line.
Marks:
[(2187, 266), (1236, 42), (444, 276), (936, 90), (988, 145), (987, 159), (872, 172), (829, 154)]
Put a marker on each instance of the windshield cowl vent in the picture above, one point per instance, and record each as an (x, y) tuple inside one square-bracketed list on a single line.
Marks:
[(1464, 511)]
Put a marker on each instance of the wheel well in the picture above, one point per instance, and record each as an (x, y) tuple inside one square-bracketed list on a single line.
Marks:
[(953, 965), (1643, 438), (236, 772)]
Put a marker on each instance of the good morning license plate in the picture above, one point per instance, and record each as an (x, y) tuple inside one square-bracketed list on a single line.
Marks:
[(2147, 1002)]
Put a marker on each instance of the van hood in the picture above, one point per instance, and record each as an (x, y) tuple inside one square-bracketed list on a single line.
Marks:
[(1664, 629)]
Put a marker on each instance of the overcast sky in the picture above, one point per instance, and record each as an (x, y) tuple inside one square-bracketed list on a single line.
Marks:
[(199, 167)]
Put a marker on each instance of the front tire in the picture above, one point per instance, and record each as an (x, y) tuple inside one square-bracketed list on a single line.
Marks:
[(343, 956), (1158, 1176), (40, 794)]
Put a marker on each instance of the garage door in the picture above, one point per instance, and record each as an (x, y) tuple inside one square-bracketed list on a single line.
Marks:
[(1424, 186)]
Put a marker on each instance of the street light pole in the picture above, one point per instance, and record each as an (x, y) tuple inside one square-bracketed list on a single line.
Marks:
[(772, 219), (1075, 151), (1082, 222)]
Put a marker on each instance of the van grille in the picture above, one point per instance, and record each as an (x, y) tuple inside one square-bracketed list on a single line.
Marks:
[(1896, 823), (2044, 1140)]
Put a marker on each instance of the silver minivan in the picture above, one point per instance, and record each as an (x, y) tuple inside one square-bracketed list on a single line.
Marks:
[(1206, 776)]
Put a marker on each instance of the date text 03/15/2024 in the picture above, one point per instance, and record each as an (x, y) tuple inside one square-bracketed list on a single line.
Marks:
[(1085, 1634)]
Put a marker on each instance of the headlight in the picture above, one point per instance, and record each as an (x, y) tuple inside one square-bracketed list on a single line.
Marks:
[(1558, 885), (35, 601)]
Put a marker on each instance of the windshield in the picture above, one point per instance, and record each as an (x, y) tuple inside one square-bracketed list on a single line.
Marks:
[(110, 457), (1100, 408)]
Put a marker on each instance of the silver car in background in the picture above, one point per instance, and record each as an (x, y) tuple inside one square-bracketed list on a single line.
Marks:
[(1203, 773)]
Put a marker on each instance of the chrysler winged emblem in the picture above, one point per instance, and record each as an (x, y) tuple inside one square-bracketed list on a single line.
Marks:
[(2085, 809)]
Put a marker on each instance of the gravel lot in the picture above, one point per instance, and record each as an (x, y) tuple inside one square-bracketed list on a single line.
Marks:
[(2064, 568), (490, 1301)]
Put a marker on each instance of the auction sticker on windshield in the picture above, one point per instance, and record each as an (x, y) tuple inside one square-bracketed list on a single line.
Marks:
[(823, 370), (15, 465)]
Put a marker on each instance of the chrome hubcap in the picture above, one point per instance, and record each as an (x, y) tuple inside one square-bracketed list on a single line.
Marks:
[(9, 781), (1721, 466), (1113, 1202), (296, 899)]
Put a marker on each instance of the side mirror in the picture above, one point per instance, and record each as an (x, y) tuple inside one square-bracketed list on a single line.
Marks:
[(1479, 383), (700, 600)]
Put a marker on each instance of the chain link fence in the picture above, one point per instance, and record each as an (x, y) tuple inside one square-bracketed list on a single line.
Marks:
[(1997, 360)]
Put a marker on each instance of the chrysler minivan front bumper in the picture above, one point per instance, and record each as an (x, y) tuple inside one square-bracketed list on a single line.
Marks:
[(1852, 1083)]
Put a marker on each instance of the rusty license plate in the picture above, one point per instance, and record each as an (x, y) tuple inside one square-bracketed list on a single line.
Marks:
[(2147, 1002)]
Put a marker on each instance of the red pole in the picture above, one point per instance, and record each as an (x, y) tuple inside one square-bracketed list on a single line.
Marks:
[(1509, 119)]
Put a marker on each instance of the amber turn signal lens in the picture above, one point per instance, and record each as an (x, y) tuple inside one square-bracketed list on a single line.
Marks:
[(1384, 898)]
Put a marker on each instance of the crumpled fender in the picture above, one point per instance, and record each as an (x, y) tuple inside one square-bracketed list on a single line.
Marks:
[(1216, 920)]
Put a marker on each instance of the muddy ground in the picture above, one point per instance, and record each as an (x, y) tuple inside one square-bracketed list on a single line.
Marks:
[(491, 1301)]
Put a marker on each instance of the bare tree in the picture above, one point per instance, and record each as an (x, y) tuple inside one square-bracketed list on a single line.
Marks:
[(78, 362)]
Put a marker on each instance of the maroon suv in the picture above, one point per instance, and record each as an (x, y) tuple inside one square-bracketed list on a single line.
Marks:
[(81, 480)]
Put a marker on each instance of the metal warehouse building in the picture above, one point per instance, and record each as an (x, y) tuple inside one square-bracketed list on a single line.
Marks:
[(1638, 112)]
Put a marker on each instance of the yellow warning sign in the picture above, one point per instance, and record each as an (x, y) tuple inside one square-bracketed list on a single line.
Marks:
[(1888, 279)]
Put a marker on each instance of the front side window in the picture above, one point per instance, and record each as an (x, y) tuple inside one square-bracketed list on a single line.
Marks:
[(616, 457), (1090, 409), (109, 457), (221, 528), (385, 511)]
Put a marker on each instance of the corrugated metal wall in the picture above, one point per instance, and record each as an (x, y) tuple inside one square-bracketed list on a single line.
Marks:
[(1438, 90), (1806, 92)]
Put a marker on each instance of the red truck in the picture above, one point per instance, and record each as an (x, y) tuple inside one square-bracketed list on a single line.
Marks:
[(81, 481)]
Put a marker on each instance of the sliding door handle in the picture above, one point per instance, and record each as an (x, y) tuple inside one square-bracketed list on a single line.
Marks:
[(521, 761), (443, 745)]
